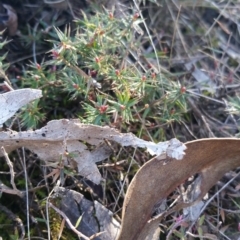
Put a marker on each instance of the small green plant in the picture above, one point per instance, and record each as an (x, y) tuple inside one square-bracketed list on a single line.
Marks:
[(234, 105), (91, 68)]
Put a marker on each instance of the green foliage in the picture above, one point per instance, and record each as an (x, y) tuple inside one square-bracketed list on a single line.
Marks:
[(234, 103), (31, 115), (92, 70), (6, 227)]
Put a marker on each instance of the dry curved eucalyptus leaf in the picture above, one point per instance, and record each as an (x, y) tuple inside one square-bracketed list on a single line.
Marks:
[(51, 143), (9, 19), (212, 158), (11, 101)]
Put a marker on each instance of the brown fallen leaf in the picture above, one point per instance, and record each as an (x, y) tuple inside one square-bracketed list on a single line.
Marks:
[(58, 137), (212, 158)]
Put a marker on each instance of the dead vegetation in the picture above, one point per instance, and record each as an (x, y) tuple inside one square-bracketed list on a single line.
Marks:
[(158, 69)]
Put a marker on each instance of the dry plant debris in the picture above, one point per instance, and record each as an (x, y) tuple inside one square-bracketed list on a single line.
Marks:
[(212, 158), (95, 217), (196, 43), (59, 138)]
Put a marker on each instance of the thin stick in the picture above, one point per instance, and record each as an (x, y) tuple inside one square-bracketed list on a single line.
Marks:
[(210, 199), (27, 198), (8, 190), (9, 163), (68, 221), (124, 181), (14, 218), (6, 83), (149, 35)]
